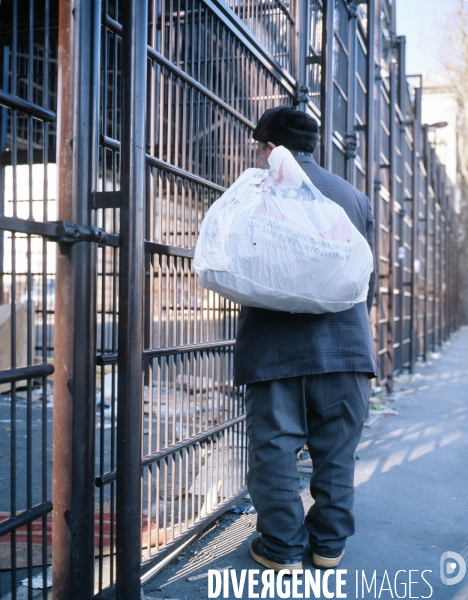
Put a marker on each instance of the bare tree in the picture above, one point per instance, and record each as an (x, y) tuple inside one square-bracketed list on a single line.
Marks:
[(453, 53)]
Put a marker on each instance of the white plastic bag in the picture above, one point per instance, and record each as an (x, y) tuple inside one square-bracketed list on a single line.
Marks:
[(274, 241)]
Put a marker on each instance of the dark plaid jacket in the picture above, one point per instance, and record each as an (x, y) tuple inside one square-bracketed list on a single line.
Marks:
[(273, 345)]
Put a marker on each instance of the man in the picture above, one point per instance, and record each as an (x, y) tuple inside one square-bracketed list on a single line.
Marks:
[(307, 382)]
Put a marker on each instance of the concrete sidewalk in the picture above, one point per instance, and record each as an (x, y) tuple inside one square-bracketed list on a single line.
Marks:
[(411, 500)]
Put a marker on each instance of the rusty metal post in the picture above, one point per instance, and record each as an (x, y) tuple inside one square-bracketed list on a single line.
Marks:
[(132, 267), (74, 392)]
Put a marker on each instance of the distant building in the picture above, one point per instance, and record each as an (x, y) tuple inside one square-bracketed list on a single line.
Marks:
[(439, 105)]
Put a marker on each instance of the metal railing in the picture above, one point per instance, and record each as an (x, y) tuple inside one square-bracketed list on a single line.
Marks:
[(132, 359)]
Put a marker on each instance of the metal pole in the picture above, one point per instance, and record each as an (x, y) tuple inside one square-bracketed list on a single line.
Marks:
[(392, 224), (415, 350), (374, 143), (74, 392), (302, 44), (351, 91), (425, 142), (129, 421), (373, 88), (326, 91)]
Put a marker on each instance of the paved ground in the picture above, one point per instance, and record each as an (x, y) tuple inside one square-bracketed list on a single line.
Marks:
[(411, 500)]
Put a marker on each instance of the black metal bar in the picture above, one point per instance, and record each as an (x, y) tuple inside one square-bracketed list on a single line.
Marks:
[(326, 87), (106, 199), (392, 226), (373, 87), (110, 143), (74, 393), (111, 358), (151, 567), (167, 250), (161, 164), (303, 41), (167, 64), (414, 350), (111, 476), (21, 373), (132, 264), (248, 40), (59, 231), (195, 439), (25, 517), (28, 108), (200, 347), (49, 230), (183, 76)]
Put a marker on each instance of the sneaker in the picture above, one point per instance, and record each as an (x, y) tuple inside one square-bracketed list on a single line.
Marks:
[(261, 555), (322, 562)]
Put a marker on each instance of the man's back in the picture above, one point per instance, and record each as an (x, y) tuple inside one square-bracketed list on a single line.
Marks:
[(274, 345)]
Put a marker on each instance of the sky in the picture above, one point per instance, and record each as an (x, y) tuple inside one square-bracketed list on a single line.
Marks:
[(419, 21)]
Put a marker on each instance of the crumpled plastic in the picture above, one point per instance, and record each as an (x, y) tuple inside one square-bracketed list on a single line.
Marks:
[(272, 240)]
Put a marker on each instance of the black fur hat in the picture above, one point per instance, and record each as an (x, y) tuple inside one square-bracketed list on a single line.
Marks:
[(285, 126)]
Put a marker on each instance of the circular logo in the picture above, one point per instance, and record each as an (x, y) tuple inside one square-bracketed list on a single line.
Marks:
[(449, 561)]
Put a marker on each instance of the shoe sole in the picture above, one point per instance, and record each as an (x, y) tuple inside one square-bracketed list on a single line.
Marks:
[(269, 564), (321, 562)]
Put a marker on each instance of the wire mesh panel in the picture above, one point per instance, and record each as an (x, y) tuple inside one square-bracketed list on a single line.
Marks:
[(28, 66)]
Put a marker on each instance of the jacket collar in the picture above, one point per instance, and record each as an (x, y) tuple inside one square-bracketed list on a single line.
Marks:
[(303, 157)]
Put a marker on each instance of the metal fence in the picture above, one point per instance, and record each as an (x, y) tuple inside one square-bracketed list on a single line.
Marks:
[(106, 331)]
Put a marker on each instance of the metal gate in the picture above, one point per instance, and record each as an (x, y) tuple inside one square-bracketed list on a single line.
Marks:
[(111, 337)]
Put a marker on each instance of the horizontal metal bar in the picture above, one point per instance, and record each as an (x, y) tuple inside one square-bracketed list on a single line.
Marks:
[(25, 517), (237, 27), (149, 459), (267, 6), (112, 24), (113, 240), (110, 143), (106, 478), (21, 373), (167, 250), (110, 358), (106, 199), (111, 476), (55, 231), (165, 166), (161, 164), (202, 347), (241, 31), (29, 108), (285, 10), (29, 226), (156, 563), (167, 64)]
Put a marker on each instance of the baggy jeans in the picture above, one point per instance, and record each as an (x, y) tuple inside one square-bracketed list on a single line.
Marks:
[(326, 412)]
